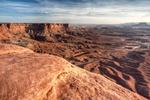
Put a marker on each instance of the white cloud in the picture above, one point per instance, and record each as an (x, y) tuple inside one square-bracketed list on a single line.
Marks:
[(46, 11)]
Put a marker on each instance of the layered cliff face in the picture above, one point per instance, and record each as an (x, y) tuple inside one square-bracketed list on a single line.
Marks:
[(22, 28), (13, 28), (54, 28), (46, 28), (52, 78), (33, 28)]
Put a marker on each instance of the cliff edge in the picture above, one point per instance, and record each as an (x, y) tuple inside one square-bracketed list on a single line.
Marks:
[(25, 75)]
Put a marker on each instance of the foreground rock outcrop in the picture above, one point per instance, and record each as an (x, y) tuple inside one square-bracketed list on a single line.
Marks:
[(25, 75)]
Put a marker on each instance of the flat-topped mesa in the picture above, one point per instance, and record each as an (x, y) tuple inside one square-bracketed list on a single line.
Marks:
[(47, 28), (55, 28), (37, 31), (34, 28), (13, 28)]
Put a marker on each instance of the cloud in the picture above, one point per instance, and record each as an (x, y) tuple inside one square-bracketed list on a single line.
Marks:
[(74, 11)]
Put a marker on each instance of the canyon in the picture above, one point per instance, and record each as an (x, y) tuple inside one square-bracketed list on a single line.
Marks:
[(118, 53)]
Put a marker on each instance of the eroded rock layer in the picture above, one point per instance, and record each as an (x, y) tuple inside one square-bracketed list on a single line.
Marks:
[(25, 75), (34, 28)]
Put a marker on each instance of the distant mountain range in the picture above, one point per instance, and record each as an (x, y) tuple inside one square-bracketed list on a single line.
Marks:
[(137, 25)]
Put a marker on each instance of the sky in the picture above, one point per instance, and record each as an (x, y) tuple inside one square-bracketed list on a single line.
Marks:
[(75, 11)]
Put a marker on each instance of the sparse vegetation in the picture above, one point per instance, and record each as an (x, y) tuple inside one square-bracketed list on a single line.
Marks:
[(20, 42)]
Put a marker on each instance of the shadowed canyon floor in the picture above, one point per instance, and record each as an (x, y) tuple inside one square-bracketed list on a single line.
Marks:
[(119, 53), (25, 75)]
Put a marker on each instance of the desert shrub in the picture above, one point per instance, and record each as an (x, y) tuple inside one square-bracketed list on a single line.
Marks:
[(20, 42), (17, 33)]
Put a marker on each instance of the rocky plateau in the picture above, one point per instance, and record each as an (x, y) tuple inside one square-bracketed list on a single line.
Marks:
[(120, 53)]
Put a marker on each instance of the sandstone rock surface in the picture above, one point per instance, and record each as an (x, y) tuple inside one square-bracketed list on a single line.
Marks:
[(9, 30), (25, 75)]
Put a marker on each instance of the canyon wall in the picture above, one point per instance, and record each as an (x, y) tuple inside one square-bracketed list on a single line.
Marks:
[(13, 28), (32, 28)]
